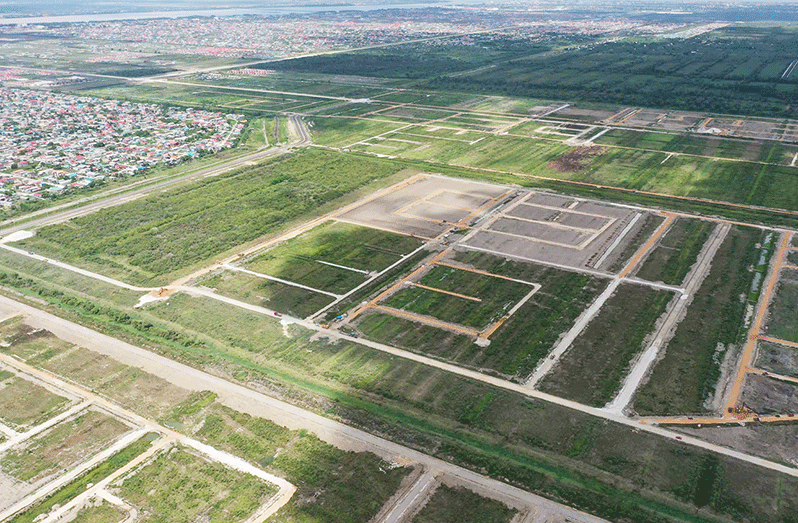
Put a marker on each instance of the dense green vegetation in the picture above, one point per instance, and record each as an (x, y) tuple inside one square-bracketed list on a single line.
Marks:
[(145, 240), (685, 377), (593, 368), (733, 70)]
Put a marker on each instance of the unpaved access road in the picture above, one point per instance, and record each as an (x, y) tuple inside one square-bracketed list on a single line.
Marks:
[(255, 403)]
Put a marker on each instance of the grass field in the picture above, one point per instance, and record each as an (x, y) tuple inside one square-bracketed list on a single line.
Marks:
[(150, 240), (102, 513), (497, 297), (541, 447), (265, 293), (62, 446), (683, 381), (458, 505), (594, 367), (26, 404), (520, 342), (333, 257), (188, 486), (676, 251)]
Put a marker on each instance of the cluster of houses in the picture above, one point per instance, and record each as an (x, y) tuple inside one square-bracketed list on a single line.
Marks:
[(51, 143)]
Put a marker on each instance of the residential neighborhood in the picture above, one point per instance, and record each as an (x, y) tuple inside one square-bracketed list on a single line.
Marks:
[(51, 143)]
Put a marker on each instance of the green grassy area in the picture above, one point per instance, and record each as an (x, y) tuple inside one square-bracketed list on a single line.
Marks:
[(321, 258), (685, 377), (102, 513), (266, 293), (153, 239), (677, 251), (182, 486), (594, 367), (550, 450), (341, 132), (66, 444), (458, 505), (94, 475), (26, 404), (497, 296)]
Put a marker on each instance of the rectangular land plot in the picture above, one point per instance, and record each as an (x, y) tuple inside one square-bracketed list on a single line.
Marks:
[(766, 395), (62, 446), (593, 368), (459, 296), (420, 208), (676, 251), (555, 229), (782, 317), (459, 505), (24, 403), (273, 295), (179, 485), (777, 358)]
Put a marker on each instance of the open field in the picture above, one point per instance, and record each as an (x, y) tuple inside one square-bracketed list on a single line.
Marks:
[(102, 513), (24, 403), (179, 485), (593, 369), (676, 251), (62, 446), (782, 319), (766, 395), (684, 379), (776, 358), (151, 239), (458, 505)]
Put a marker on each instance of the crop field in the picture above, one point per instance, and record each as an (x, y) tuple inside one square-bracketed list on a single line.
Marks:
[(684, 380), (25, 404), (593, 368), (458, 505), (181, 485), (676, 251), (149, 239), (65, 444)]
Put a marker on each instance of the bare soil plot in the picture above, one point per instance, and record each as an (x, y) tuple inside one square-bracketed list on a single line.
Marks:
[(766, 395), (458, 505), (555, 229), (676, 251), (576, 159), (593, 369), (25, 404), (182, 486), (776, 358), (62, 446), (420, 208), (579, 113)]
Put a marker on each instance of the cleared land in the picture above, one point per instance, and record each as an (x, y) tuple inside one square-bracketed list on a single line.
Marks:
[(147, 241), (593, 369), (676, 251), (765, 395), (777, 358), (62, 446), (521, 342), (182, 486), (25, 404), (782, 320), (684, 380)]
